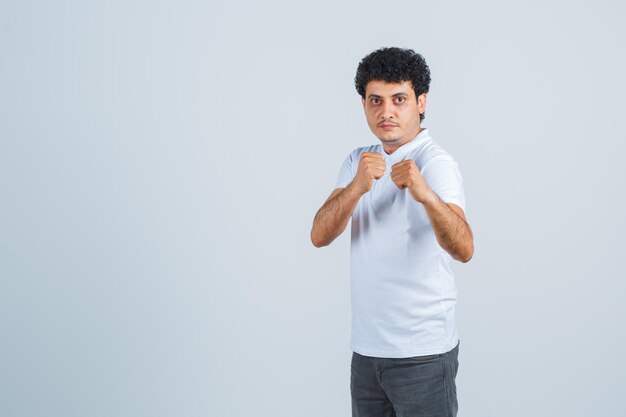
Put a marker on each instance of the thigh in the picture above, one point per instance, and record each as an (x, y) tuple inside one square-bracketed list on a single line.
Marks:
[(422, 386), (368, 397)]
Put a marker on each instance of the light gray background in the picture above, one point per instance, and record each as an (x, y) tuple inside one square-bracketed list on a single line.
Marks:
[(161, 164)]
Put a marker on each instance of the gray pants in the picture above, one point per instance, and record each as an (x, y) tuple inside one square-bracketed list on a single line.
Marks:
[(419, 386)]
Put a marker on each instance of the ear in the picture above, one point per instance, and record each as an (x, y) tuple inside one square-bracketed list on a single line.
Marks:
[(421, 103), (363, 101)]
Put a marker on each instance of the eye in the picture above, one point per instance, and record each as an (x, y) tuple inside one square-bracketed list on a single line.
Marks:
[(400, 99), (375, 101)]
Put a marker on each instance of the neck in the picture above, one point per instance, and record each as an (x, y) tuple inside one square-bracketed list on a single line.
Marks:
[(392, 148)]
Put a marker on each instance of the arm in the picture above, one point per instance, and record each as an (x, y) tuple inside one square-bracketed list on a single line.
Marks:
[(331, 220), (451, 228), (333, 217), (448, 220)]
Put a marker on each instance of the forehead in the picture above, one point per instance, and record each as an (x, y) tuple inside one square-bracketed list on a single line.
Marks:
[(385, 89)]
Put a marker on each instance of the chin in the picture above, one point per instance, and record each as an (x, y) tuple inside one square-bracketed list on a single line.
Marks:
[(387, 138)]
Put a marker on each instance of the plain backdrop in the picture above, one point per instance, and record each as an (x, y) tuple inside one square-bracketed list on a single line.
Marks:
[(161, 164)]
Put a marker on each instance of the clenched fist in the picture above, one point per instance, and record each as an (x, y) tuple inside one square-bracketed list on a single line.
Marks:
[(406, 174), (372, 166)]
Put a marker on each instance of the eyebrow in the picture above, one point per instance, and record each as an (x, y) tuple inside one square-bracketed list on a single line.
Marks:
[(377, 96)]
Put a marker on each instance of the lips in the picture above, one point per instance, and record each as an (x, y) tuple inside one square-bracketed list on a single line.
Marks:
[(388, 126)]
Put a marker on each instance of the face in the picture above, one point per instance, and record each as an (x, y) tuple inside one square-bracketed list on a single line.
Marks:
[(393, 112)]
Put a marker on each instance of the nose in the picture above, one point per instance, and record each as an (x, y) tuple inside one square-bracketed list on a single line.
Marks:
[(387, 110)]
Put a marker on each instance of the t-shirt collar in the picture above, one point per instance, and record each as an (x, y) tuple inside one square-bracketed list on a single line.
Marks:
[(405, 149)]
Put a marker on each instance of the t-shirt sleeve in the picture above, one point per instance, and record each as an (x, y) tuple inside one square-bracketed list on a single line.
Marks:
[(443, 176), (345, 173)]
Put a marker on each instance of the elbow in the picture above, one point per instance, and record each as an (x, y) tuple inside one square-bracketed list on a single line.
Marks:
[(467, 254), (316, 241), (318, 244), (465, 259), (460, 253)]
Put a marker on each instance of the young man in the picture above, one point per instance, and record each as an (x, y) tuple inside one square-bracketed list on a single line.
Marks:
[(406, 200)]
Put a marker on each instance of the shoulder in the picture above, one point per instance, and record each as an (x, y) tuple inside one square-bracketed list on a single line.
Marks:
[(434, 153)]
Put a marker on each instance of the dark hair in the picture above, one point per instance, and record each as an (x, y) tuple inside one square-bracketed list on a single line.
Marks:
[(394, 65)]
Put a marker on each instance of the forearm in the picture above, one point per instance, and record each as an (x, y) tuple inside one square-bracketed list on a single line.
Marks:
[(452, 231), (331, 220)]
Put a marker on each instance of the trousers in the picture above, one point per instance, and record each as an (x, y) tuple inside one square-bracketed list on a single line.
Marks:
[(418, 386)]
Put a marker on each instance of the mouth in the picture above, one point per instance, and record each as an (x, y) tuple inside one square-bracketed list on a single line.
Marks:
[(387, 126)]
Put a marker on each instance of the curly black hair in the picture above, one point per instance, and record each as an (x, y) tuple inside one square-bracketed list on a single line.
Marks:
[(394, 65)]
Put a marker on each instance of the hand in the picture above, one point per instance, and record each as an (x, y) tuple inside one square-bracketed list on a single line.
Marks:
[(372, 166), (406, 174)]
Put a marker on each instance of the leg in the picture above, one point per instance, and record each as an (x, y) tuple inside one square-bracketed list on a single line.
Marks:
[(368, 397), (422, 386)]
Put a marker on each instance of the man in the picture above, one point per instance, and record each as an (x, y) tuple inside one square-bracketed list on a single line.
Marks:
[(406, 200)]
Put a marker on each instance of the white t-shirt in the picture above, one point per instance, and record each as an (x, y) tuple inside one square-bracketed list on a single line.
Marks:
[(402, 286)]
